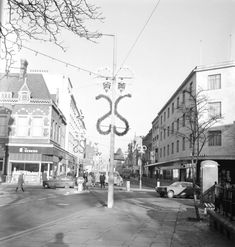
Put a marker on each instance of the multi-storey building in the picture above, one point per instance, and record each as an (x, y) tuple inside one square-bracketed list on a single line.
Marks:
[(32, 128), (61, 89), (216, 83)]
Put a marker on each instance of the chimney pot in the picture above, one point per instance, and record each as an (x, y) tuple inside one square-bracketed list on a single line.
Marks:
[(23, 68)]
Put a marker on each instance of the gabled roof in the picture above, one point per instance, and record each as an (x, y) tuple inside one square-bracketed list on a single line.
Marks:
[(35, 82), (25, 87)]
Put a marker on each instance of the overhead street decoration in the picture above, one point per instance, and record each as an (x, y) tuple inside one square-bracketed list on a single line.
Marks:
[(98, 124)]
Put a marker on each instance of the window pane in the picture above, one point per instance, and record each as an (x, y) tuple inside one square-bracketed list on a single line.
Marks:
[(3, 126), (215, 109), (214, 138), (37, 126), (22, 126), (214, 81)]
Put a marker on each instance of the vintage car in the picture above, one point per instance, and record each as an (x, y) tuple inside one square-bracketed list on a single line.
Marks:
[(179, 189), (59, 182), (118, 180)]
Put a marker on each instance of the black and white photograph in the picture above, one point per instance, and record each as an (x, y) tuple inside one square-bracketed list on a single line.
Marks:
[(117, 123)]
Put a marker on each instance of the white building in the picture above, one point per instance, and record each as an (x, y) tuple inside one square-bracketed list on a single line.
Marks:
[(62, 89), (217, 83)]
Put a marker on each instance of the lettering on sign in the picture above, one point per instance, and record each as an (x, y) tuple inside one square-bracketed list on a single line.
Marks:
[(26, 150)]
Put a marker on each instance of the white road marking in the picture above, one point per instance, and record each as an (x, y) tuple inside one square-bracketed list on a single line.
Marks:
[(44, 198)]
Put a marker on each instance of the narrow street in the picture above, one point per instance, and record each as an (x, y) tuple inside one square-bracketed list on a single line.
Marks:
[(34, 218)]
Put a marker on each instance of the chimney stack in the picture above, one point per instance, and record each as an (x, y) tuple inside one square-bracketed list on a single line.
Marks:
[(23, 68)]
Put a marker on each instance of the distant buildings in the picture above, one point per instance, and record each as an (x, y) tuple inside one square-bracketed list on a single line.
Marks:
[(40, 126)]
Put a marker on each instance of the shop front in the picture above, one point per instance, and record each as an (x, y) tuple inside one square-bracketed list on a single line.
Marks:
[(29, 160), (33, 161), (180, 170)]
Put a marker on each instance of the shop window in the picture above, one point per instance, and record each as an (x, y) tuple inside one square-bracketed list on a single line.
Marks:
[(32, 167), (167, 174), (175, 173)]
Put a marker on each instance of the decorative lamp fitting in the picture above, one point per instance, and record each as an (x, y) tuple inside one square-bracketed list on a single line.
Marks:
[(107, 86)]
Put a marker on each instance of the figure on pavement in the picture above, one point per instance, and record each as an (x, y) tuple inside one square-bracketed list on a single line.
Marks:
[(102, 181), (20, 182)]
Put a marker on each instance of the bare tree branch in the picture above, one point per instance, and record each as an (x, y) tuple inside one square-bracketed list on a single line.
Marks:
[(44, 20)]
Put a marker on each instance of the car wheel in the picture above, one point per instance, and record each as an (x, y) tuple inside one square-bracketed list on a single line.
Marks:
[(170, 194)]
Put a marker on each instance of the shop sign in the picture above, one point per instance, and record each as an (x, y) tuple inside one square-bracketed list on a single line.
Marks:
[(27, 150), (31, 150)]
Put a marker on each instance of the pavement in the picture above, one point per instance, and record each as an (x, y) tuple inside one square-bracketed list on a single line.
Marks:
[(132, 222)]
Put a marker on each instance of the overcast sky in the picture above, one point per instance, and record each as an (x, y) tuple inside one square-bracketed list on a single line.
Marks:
[(180, 35)]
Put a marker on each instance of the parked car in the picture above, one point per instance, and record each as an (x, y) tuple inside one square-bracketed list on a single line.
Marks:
[(118, 180), (59, 182), (180, 189)]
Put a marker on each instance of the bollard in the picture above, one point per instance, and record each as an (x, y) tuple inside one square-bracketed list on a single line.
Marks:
[(158, 183), (128, 185)]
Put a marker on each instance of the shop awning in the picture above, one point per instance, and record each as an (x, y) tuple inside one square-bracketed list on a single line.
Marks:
[(172, 164)]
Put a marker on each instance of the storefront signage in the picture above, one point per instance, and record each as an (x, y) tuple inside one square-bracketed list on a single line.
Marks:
[(27, 150), (31, 150)]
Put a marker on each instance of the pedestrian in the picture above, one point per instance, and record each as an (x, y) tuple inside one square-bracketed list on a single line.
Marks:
[(85, 183), (102, 180), (20, 182)]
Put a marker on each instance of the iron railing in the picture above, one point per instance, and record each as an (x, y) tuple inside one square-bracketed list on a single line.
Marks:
[(225, 201)]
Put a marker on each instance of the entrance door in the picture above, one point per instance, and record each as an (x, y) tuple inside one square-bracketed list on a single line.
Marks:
[(182, 174)]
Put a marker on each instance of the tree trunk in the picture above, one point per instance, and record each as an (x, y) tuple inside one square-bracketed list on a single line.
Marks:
[(194, 191)]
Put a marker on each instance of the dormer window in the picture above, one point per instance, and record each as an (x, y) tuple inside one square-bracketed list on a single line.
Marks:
[(24, 96), (24, 92)]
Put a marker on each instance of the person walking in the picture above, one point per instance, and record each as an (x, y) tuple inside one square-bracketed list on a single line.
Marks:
[(102, 181), (20, 182)]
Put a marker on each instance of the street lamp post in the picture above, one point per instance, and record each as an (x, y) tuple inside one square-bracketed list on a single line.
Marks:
[(113, 102), (112, 134)]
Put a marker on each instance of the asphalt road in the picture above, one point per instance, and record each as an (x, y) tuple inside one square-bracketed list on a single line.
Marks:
[(36, 206), (23, 213)]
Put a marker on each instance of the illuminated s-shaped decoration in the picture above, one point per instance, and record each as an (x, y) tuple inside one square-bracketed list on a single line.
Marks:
[(109, 113)]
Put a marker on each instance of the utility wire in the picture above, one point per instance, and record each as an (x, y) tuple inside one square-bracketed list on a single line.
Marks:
[(61, 61), (138, 37)]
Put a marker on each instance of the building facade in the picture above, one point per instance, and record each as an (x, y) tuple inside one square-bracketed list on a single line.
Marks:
[(32, 128), (174, 145), (61, 88)]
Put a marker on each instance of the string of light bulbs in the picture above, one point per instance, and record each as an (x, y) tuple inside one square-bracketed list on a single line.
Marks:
[(67, 64)]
